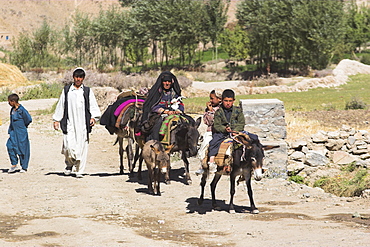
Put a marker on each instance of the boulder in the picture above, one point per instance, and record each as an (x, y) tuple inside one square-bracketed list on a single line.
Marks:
[(316, 159), (342, 158), (297, 155), (295, 167), (298, 144), (319, 137), (335, 144)]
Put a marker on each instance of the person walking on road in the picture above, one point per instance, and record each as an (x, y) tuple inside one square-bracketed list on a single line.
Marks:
[(76, 113)]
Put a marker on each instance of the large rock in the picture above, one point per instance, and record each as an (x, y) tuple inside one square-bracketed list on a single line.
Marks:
[(316, 159), (295, 167), (297, 155), (335, 144), (342, 158), (298, 144), (320, 137)]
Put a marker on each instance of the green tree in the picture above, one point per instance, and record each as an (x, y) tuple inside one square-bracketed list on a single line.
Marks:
[(215, 19), (42, 42), (235, 42), (358, 26), (301, 33), (319, 26), (23, 52)]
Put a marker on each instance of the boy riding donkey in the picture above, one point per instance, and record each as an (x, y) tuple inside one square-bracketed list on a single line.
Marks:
[(228, 121)]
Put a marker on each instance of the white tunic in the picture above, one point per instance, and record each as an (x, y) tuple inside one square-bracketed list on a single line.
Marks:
[(75, 141)]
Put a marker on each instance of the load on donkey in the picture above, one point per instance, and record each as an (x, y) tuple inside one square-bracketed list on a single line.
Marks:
[(123, 119)]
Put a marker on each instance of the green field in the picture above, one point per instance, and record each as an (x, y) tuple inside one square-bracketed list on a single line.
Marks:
[(358, 88)]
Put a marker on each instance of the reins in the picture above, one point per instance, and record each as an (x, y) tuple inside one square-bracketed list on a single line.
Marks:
[(237, 141)]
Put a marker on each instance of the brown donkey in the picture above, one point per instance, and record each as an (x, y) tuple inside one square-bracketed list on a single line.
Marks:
[(157, 160)]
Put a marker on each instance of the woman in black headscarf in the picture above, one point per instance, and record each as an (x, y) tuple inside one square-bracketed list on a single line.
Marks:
[(158, 102)]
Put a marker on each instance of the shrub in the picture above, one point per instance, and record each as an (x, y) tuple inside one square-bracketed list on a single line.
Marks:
[(348, 183), (355, 103), (297, 179), (4, 94), (43, 91), (365, 58)]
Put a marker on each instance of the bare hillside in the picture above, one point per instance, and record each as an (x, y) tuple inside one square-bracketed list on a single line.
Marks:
[(27, 15)]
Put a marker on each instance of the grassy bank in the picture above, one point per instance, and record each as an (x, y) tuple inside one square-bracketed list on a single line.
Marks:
[(314, 99)]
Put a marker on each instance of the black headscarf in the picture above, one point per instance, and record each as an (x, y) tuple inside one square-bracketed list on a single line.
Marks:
[(155, 93)]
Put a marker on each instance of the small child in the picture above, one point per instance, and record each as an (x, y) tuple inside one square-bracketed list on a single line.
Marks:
[(18, 144), (212, 106), (227, 120)]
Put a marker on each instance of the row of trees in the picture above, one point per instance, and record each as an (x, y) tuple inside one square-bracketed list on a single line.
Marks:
[(302, 33), (149, 31), (277, 34)]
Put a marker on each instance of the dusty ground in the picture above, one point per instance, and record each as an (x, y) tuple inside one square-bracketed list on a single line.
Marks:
[(45, 208)]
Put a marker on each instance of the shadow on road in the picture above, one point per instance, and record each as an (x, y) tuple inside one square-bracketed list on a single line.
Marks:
[(194, 207)]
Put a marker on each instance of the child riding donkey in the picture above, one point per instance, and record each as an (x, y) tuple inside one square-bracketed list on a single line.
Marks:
[(228, 121), (212, 106)]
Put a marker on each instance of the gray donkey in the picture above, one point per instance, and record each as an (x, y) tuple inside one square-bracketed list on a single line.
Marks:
[(157, 160)]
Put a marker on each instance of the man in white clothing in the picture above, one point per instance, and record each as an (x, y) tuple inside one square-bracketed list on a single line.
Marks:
[(77, 111)]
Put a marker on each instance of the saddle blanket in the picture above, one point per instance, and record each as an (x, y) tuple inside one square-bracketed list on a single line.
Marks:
[(167, 126), (225, 149)]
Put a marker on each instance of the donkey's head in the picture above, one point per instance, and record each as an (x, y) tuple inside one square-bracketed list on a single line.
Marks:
[(253, 154), (192, 137), (162, 157)]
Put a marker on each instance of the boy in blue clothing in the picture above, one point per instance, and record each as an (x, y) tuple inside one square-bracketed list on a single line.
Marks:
[(18, 144), (228, 119)]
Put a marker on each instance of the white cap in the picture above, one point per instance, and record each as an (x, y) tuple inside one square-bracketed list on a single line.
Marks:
[(80, 69)]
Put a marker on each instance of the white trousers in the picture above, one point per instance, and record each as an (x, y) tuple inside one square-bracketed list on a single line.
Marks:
[(80, 162)]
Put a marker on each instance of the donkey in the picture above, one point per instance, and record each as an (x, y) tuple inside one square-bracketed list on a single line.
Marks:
[(252, 161), (128, 131), (157, 160), (185, 140)]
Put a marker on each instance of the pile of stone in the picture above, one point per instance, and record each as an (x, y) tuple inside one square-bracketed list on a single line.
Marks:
[(333, 148)]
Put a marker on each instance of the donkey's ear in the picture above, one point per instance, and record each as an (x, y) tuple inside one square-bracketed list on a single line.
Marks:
[(169, 148), (268, 147), (155, 150), (244, 139), (197, 122)]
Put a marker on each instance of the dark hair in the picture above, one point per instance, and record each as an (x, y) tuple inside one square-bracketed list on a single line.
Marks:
[(79, 72), (217, 93), (228, 93), (13, 97)]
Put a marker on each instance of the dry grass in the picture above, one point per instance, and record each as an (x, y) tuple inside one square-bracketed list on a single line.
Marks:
[(11, 76), (299, 127)]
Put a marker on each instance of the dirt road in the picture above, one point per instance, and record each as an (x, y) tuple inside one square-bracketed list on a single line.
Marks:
[(45, 208)]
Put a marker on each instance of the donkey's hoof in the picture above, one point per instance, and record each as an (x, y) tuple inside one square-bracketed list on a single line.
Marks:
[(255, 211), (168, 182), (232, 211), (189, 182)]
